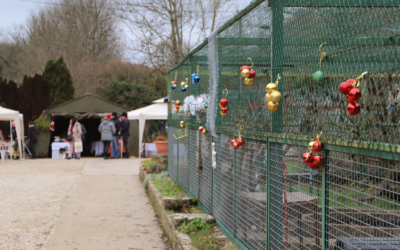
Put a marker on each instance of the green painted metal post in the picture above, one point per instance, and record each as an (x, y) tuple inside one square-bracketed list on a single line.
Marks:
[(325, 202), (188, 159), (268, 193), (277, 58), (234, 193), (212, 179)]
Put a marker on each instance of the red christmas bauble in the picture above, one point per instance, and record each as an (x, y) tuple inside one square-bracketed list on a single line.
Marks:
[(244, 67), (345, 87), (177, 106), (240, 142), (201, 129), (316, 162), (307, 157), (355, 94), (348, 99), (224, 110), (223, 102), (233, 141), (317, 146), (168, 101), (235, 145), (252, 74), (352, 82), (353, 108)]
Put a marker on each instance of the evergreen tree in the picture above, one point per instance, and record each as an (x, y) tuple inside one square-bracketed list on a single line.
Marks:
[(59, 81)]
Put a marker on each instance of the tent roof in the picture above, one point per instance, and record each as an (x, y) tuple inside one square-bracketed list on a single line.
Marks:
[(152, 112), (159, 101), (9, 114), (86, 106)]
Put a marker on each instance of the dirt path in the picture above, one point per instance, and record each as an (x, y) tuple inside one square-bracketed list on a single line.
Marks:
[(108, 210)]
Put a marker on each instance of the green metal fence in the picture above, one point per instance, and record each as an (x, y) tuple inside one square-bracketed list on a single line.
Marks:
[(263, 195)]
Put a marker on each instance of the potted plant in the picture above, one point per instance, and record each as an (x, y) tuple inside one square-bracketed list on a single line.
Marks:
[(43, 125)]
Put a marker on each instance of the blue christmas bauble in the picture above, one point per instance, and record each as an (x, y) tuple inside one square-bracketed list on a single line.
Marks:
[(319, 76), (196, 79), (193, 75), (165, 99), (173, 86), (183, 89)]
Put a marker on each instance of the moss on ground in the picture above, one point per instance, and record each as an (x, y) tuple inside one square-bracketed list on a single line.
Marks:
[(169, 188), (201, 234), (147, 163)]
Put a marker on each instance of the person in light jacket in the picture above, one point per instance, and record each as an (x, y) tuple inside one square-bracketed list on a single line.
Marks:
[(75, 130), (107, 131)]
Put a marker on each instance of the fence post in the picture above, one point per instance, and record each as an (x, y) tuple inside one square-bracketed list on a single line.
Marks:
[(212, 177), (268, 193), (325, 202), (234, 194), (188, 162)]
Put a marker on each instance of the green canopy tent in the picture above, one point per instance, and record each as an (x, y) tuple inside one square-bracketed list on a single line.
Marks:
[(88, 109)]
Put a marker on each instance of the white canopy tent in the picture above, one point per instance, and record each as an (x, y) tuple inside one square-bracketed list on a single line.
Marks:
[(12, 115), (158, 111)]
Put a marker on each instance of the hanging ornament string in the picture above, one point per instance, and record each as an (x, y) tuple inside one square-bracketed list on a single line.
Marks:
[(358, 79), (226, 92), (240, 129), (252, 63), (278, 78), (323, 54), (198, 68), (176, 75)]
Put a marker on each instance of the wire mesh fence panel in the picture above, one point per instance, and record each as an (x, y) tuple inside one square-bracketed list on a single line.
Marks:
[(251, 196), (194, 163), (172, 153), (364, 202), (223, 188), (295, 197), (206, 173), (183, 171)]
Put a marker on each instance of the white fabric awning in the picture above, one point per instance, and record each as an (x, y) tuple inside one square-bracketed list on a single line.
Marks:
[(159, 101), (12, 115), (158, 111)]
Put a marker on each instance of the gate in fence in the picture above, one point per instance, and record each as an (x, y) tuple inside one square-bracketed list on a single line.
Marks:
[(263, 195)]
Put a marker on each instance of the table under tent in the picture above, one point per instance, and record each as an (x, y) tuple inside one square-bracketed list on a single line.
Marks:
[(88, 110), (18, 119)]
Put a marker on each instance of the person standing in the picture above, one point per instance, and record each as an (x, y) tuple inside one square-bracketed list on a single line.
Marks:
[(125, 133), (33, 134), (107, 131), (75, 131), (115, 149)]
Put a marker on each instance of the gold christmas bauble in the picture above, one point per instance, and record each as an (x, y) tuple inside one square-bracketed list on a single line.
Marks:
[(273, 106), (310, 145), (176, 110), (204, 131), (245, 73), (276, 96), (183, 84), (224, 114), (267, 97), (271, 87), (220, 105), (177, 102), (248, 81)]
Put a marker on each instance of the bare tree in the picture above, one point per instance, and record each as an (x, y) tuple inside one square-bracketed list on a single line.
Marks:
[(85, 32), (165, 30)]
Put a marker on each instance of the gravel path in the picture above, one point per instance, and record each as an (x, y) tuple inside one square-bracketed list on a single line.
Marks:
[(32, 194), (109, 209)]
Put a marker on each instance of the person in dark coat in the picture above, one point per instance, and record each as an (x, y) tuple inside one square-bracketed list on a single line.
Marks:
[(115, 149), (107, 131), (125, 132), (33, 134)]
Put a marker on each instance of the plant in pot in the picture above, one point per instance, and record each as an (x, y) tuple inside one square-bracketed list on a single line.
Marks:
[(43, 125)]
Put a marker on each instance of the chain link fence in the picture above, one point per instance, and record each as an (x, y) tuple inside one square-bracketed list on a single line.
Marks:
[(263, 195)]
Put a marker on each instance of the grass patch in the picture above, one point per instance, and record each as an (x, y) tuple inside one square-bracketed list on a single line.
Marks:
[(148, 162), (200, 233), (196, 210), (169, 188)]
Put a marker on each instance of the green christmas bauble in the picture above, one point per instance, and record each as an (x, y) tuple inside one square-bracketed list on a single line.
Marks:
[(206, 105), (319, 76)]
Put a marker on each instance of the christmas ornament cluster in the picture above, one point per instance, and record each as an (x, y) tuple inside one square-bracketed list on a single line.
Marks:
[(184, 86), (166, 99), (248, 73), (182, 124), (195, 79), (177, 103), (353, 93), (314, 161), (238, 142), (202, 130), (273, 96), (173, 84)]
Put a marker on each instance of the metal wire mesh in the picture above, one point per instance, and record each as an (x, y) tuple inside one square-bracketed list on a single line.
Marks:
[(250, 207), (206, 173), (224, 181), (364, 201), (172, 153), (183, 171), (194, 174)]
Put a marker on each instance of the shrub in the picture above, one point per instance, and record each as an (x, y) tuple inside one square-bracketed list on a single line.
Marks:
[(194, 226)]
